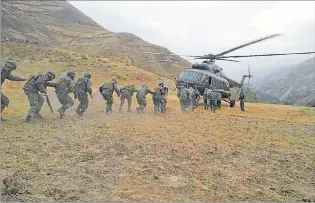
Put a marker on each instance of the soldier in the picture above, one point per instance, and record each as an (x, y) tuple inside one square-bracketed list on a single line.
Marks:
[(242, 99), (196, 97), (193, 95), (183, 96), (6, 70), (219, 97), (126, 92), (63, 87), (32, 88), (82, 87), (143, 91), (107, 90), (159, 99), (205, 99), (212, 100)]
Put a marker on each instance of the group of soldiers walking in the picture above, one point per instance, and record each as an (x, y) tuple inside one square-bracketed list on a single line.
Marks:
[(36, 87), (189, 98)]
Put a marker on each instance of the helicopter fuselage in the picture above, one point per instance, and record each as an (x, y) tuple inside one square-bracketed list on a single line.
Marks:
[(203, 79)]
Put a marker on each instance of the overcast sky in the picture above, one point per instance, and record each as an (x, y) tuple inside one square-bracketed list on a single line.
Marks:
[(202, 27)]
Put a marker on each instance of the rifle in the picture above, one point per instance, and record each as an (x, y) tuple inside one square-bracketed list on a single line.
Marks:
[(48, 102)]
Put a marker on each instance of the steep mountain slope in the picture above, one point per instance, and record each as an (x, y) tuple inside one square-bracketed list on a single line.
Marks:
[(59, 24), (293, 85)]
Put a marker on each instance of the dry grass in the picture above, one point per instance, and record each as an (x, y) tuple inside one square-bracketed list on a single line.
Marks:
[(263, 154)]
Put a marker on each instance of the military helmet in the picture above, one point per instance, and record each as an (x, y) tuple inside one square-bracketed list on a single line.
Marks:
[(11, 64), (87, 75), (161, 84), (71, 74), (51, 75)]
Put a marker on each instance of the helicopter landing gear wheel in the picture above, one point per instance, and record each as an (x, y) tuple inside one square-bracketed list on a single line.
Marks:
[(232, 103)]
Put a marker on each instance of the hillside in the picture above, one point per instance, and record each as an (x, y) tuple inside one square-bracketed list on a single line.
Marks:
[(293, 85), (60, 25)]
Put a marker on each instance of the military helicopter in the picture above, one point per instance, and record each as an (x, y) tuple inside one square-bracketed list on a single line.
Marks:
[(207, 73)]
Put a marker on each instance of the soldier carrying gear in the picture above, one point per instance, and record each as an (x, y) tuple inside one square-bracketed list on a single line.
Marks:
[(82, 87), (107, 90), (32, 89), (143, 91), (218, 98), (63, 87), (6, 70), (242, 99), (159, 99), (126, 92), (211, 99), (193, 95), (196, 97), (205, 99), (183, 96)]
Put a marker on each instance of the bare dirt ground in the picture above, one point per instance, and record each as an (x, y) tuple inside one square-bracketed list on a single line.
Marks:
[(263, 154)]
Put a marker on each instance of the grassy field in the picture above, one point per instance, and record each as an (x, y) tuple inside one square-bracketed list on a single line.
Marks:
[(264, 154)]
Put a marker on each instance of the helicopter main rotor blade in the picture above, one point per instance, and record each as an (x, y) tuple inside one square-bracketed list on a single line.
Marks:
[(155, 53), (247, 44), (227, 60), (256, 55)]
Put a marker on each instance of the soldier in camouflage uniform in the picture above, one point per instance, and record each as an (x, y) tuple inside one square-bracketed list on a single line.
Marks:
[(9, 66), (242, 98), (126, 92), (82, 87), (107, 90), (183, 95), (159, 99), (205, 99), (196, 97), (212, 100), (143, 91), (219, 97), (193, 95), (63, 87), (32, 88)]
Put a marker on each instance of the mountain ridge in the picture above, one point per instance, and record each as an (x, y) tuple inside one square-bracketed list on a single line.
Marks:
[(59, 24)]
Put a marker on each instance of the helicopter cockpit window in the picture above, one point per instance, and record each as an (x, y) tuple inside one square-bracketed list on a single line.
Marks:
[(192, 75), (199, 77), (204, 78), (183, 75)]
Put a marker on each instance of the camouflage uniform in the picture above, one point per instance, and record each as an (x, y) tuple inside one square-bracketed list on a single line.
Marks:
[(143, 91), (193, 95), (32, 88), (196, 97), (126, 92), (182, 94), (205, 99), (242, 98), (107, 90), (211, 99), (82, 87), (218, 97), (159, 99), (9, 66), (64, 86)]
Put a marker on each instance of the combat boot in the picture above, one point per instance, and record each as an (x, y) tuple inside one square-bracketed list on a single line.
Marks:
[(61, 112), (38, 116), (28, 119)]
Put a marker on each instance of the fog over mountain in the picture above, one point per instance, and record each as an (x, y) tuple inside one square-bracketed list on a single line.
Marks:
[(202, 27)]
